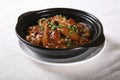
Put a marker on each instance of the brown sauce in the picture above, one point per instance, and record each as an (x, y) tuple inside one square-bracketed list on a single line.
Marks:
[(58, 32)]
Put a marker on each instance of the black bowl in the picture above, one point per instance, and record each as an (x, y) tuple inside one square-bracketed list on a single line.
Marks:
[(30, 18)]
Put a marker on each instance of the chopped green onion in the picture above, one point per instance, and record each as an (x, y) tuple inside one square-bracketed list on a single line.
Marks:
[(73, 28), (38, 20), (51, 23), (64, 17), (77, 31), (41, 28), (69, 27), (44, 19), (59, 26), (83, 35), (69, 44), (70, 33), (53, 27), (84, 30), (60, 16)]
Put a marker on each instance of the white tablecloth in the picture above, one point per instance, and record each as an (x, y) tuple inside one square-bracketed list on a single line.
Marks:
[(14, 65)]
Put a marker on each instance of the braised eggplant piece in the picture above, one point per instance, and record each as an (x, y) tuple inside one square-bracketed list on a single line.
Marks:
[(58, 32)]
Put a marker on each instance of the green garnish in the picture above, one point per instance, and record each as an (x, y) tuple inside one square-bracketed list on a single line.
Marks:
[(38, 20), (73, 28), (60, 16), (83, 35), (84, 30), (77, 31), (69, 44), (69, 27), (64, 17), (51, 23), (53, 27), (70, 33), (44, 19), (59, 26), (41, 28)]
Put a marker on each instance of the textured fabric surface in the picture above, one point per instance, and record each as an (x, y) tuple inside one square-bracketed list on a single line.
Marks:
[(14, 65)]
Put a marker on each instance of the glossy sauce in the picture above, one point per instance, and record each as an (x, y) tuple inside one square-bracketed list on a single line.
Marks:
[(58, 32)]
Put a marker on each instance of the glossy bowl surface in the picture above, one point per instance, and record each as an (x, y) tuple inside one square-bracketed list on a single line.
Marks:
[(30, 18)]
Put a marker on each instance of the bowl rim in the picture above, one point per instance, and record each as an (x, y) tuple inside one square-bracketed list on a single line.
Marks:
[(58, 49)]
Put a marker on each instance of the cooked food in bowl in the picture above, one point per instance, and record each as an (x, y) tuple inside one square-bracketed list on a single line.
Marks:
[(58, 32)]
